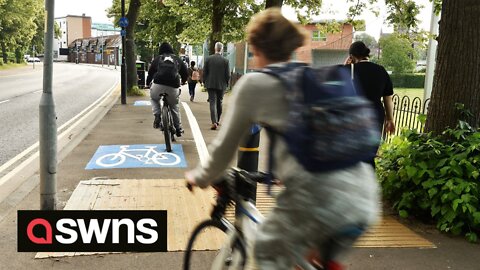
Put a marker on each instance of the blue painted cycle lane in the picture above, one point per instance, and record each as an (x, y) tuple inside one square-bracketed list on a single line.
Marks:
[(137, 156)]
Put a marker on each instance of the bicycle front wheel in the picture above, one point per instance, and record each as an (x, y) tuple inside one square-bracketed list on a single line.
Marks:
[(166, 127), (212, 232)]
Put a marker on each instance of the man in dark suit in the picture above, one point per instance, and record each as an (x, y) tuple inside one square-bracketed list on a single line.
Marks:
[(216, 74)]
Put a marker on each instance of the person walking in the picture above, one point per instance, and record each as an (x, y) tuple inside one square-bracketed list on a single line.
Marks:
[(375, 83), (193, 78), (216, 74), (167, 72)]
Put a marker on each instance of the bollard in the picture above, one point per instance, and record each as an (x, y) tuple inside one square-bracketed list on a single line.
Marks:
[(248, 152)]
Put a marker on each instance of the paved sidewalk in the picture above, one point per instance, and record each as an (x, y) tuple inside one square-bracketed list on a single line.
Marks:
[(130, 125)]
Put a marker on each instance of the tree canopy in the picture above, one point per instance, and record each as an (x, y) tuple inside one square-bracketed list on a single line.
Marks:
[(397, 54), (21, 26)]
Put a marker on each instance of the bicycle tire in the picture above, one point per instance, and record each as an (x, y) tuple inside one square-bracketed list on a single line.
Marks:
[(166, 127), (238, 245)]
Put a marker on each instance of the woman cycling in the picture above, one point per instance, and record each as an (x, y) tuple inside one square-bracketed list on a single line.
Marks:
[(312, 206)]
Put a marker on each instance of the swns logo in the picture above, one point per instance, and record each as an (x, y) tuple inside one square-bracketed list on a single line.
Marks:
[(92, 231)]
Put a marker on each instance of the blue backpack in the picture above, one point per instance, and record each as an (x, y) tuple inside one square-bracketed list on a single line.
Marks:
[(330, 126)]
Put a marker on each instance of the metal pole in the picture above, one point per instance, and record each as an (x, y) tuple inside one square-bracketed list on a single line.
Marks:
[(432, 52), (102, 49), (48, 125), (33, 56), (123, 68)]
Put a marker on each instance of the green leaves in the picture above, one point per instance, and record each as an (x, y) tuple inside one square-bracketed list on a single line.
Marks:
[(435, 177), (19, 26), (396, 54)]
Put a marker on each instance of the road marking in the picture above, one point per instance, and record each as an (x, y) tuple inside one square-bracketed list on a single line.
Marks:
[(20, 156), (37, 91), (137, 156), (4, 101), (142, 103), (197, 135)]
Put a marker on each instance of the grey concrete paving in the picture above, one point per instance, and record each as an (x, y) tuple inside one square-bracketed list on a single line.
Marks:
[(127, 124)]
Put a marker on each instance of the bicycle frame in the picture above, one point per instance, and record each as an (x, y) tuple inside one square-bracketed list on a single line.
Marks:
[(235, 187), (244, 229)]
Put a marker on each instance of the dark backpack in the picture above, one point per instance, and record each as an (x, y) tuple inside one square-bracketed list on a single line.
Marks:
[(329, 125), (167, 69)]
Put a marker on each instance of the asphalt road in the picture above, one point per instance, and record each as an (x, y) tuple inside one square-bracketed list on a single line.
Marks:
[(75, 87)]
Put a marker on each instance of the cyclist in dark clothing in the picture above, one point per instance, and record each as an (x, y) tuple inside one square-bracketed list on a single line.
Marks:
[(169, 86)]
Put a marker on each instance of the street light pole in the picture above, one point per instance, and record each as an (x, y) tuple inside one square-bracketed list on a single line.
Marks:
[(102, 48), (431, 54), (48, 125), (123, 68)]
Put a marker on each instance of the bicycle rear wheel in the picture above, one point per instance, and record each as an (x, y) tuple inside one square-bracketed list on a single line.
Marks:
[(166, 127), (212, 232)]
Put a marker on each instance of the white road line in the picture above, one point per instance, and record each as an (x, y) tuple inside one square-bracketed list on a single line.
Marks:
[(4, 101), (36, 154), (197, 135), (37, 91)]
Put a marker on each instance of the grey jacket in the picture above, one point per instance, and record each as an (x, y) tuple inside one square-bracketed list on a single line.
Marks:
[(216, 72)]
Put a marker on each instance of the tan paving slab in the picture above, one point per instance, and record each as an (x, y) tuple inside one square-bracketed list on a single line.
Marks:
[(185, 210)]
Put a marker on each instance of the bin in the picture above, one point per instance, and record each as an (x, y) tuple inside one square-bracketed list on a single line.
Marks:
[(140, 73)]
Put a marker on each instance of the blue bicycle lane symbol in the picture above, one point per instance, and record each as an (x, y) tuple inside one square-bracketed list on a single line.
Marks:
[(136, 156)]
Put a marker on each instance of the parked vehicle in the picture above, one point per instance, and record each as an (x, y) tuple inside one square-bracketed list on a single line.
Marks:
[(33, 59)]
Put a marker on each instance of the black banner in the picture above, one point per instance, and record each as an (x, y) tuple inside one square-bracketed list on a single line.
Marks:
[(92, 231)]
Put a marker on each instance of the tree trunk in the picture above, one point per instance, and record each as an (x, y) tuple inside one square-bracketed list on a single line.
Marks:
[(4, 53), (217, 24), (457, 76), (130, 55), (273, 3)]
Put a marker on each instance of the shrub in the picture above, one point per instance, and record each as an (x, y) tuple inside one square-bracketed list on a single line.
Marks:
[(435, 177), (408, 80), (135, 91)]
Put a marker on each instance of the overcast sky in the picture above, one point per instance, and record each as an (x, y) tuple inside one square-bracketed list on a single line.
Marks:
[(333, 9)]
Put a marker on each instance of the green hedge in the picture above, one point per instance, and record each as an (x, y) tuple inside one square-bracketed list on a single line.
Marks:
[(411, 80)]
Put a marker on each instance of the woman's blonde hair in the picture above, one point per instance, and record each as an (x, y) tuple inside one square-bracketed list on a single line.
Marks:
[(274, 35)]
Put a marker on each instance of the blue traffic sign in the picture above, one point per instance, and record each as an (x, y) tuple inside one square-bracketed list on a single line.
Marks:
[(137, 156), (123, 33), (123, 22)]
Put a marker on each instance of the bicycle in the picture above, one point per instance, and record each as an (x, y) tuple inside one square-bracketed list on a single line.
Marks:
[(167, 123), (236, 188)]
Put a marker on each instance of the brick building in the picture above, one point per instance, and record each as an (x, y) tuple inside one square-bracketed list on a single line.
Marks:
[(319, 50)]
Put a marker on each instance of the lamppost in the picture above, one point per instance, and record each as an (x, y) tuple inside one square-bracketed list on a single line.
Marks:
[(102, 47), (123, 24)]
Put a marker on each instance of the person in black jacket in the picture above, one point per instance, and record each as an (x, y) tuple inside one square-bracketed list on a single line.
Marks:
[(167, 84), (216, 75), (375, 83)]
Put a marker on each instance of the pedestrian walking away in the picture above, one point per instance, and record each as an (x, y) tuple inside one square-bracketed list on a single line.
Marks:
[(193, 78), (216, 74), (314, 205), (375, 83), (167, 72)]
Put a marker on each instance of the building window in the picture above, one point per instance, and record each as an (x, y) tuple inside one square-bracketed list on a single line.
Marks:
[(318, 36)]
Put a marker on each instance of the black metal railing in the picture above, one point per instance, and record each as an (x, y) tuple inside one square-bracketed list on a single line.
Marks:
[(406, 112)]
